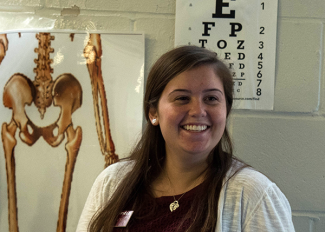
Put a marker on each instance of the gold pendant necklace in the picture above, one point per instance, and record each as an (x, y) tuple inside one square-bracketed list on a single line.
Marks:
[(174, 205)]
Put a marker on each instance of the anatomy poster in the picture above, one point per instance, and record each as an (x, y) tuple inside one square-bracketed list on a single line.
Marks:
[(243, 34), (71, 104)]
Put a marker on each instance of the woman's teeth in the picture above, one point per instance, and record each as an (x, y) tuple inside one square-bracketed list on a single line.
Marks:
[(194, 128)]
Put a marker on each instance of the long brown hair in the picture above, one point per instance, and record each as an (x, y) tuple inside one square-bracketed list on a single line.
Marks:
[(149, 152)]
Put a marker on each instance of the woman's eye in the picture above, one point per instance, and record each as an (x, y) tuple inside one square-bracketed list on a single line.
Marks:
[(183, 98), (211, 98)]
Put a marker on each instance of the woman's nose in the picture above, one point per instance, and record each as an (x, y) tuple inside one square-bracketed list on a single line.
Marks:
[(197, 109)]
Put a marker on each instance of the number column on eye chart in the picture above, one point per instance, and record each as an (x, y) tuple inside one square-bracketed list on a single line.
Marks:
[(261, 44), (265, 63)]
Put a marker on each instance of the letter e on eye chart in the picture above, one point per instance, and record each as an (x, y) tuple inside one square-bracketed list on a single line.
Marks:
[(243, 34)]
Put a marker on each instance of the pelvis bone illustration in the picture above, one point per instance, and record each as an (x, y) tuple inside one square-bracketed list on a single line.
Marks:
[(64, 92)]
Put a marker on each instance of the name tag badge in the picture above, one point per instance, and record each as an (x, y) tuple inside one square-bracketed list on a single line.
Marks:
[(123, 219)]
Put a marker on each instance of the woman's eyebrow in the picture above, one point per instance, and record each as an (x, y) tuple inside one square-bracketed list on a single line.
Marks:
[(179, 90), (188, 91), (212, 90)]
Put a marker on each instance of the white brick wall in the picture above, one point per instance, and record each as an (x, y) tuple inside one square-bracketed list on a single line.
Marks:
[(287, 144), (297, 65)]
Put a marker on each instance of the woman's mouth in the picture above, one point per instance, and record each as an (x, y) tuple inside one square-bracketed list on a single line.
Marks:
[(195, 128)]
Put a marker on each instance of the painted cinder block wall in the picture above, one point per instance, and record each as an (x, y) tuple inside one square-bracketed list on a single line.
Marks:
[(287, 143)]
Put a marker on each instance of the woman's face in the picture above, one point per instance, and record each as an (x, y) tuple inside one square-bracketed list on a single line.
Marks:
[(192, 112)]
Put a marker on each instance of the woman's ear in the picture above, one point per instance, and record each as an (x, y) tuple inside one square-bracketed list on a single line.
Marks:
[(153, 116)]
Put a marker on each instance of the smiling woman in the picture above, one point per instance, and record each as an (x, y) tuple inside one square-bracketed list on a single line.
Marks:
[(182, 175), (192, 100)]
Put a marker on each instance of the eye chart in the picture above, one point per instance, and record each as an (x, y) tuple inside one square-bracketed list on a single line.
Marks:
[(243, 34)]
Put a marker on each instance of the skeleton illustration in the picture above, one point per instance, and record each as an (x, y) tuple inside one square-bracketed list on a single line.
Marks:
[(65, 92)]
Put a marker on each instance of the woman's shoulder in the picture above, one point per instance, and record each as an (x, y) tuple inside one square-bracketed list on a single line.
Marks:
[(120, 166), (242, 177), (113, 174), (248, 179), (252, 200), (248, 187), (102, 189)]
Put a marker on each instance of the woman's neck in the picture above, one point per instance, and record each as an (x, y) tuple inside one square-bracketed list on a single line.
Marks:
[(179, 176)]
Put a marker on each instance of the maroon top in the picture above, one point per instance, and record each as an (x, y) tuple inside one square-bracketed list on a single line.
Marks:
[(163, 220)]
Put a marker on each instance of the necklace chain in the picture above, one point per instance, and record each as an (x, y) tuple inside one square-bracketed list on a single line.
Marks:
[(174, 205)]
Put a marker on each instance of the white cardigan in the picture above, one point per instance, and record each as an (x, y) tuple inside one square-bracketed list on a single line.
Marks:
[(248, 202)]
